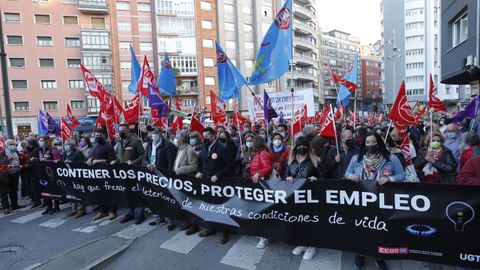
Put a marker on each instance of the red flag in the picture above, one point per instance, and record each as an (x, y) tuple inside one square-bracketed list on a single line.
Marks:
[(195, 124), (94, 86), (2, 144), (352, 119), (372, 116), (300, 119), (157, 120), (237, 118), (146, 78), (434, 102), (401, 111), (132, 112), (218, 109), (177, 122), (401, 128), (106, 120), (348, 84), (72, 118), (327, 128), (340, 112), (66, 129), (406, 150)]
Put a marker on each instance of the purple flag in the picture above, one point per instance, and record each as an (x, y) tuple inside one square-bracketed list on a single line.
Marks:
[(47, 125), (268, 110), (281, 120), (469, 112)]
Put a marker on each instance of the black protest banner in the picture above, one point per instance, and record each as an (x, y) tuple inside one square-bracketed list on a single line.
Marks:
[(437, 223)]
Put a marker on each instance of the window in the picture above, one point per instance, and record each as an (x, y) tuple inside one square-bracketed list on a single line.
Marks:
[(208, 62), (125, 65), (75, 84), (124, 26), (415, 52), (229, 26), (147, 27), (228, 8), (21, 106), (14, 40), (418, 65), (460, 30), (19, 84), (146, 46), (95, 40), (414, 38), (207, 43), (70, 20), (247, 10), (72, 42), (248, 45), (209, 80), (44, 41), (11, 17), (206, 24), (231, 45), (183, 26), (98, 23), (124, 45), (205, 5), (143, 7), (73, 63), (186, 64), (97, 61), (50, 105), (46, 62), (71, 2), (415, 92), (48, 84), (248, 63), (180, 8), (414, 25), (247, 28), (17, 62), (42, 18), (77, 104), (123, 5), (267, 11)]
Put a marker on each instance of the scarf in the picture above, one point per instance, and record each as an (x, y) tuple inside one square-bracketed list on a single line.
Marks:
[(428, 169), (371, 166)]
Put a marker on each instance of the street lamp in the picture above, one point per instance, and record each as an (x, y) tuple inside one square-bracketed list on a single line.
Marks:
[(396, 53)]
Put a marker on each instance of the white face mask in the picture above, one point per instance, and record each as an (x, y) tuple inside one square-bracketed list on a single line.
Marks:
[(175, 141), (277, 143)]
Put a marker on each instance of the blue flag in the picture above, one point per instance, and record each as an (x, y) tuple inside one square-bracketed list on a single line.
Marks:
[(268, 109), (166, 80), (230, 80), (351, 76), (135, 73), (275, 53), (155, 101)]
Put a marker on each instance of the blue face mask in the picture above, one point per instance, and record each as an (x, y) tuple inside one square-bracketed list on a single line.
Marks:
[(155, 138), (67, 148), (249, 145), (193, 142), (41, 144), (451, 135)]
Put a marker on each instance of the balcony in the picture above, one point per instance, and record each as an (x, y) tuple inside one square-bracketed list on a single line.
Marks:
[(304, 43), (304, 28), (304, 59), (93, 6), (302, 76), (303, 13)]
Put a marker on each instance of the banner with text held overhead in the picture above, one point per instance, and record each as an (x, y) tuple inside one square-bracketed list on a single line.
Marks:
[(437, 223)]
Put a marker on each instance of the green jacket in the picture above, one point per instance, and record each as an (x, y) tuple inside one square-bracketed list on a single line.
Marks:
[(132, 149)]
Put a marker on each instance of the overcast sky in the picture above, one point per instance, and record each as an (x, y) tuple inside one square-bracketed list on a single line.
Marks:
[(360, 18)]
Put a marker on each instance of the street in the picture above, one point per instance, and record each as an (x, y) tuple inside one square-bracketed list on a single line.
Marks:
[(30, 240)]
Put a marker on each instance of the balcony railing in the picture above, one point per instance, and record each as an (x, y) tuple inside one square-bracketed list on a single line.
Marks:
[(93, 6)]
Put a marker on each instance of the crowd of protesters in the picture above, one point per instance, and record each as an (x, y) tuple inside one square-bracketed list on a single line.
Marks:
[(440, 153)]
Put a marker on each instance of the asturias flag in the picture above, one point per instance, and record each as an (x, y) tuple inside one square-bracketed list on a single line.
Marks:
[(275, 53), (230, 80), (350, 76), (166, 80), (135, 73)]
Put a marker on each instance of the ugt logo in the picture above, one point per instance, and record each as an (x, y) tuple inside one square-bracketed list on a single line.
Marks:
[(282, 21), (221, 57)]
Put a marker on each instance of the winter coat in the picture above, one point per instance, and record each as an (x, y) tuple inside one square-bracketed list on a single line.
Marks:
[(216, 160), (470, 174), (165, 154), (303, 170), (393, 166), (446, 166), (188, 161), (280, 159), (337, 169), (261, 164)]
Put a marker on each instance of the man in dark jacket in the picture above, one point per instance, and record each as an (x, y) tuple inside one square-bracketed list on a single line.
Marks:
[(215, 162), (337, 164), (160, 153), (130, 150)]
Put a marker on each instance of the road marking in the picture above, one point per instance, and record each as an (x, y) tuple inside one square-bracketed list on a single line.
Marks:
[(326, 259), (95, 225), (244, 254), (2, 215), (34, 215), (53, 223), (135, 231), (182, 243)]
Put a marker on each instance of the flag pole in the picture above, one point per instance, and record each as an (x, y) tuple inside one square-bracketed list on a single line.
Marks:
[(291, 83), (388, 131), (431, 125), (334, 129), (238, 123)]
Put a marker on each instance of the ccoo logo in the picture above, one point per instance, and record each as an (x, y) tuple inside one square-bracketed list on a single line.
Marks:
[(282, 21), (167, 64)]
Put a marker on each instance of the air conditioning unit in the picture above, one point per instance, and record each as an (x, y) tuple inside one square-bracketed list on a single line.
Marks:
[(469, 61)]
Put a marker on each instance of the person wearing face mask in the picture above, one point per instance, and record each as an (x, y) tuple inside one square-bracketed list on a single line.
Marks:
[(57, 150), (103, 153), (374, 163), (472, 142), (160, 153), (246, 155), (234, 135), (435, 163), (225, 139), (262, 133), (247, 127), (280, 153), (72, 155), (336, 164), (215, 163), (303, 164), (12, 176), (283, 130), (33, 154), (196, 141), (453, 140), (85, 146), (130, 151)]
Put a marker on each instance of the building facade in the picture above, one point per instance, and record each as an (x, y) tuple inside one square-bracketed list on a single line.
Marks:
[(45, 42), (371, 90), (460, 54)]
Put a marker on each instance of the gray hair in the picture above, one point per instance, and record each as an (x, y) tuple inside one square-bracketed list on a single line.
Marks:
[(184, 137)]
